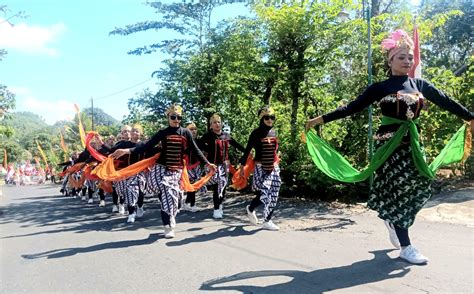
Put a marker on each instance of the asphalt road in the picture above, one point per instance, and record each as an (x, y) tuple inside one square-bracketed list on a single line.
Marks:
[(50, 243)]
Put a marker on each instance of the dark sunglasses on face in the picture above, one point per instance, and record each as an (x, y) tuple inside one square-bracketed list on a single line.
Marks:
[(176, 117), (268, 117)]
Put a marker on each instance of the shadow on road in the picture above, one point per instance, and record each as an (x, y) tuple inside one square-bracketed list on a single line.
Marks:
[(229, 231), (50, 214), (379, 268), (66, 252)]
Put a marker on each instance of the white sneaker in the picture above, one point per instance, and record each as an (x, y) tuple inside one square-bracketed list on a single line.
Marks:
[(392, 234), (169, 232), (90, 201), (270, 226), (185, 207), (190, 208), (102, 203), (131, 218), (252, 216), (115, 208), (83, 198), (218, 213), (412, 255), (121, 209), (140, 212), (172, 222)]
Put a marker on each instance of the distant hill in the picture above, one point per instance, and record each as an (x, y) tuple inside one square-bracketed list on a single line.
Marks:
[(100, 117), (28, 128), (25, 123)]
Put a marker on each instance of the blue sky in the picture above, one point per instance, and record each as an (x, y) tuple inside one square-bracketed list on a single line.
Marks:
[(63, 54)]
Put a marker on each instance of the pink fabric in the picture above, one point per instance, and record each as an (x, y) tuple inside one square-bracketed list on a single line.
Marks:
[(398, 40)]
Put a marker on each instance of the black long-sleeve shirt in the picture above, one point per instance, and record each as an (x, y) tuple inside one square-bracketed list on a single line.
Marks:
[(216, 146), (192, 156), (160, 137), (399, 97), (125, 160), (255, 141), (83, 156)]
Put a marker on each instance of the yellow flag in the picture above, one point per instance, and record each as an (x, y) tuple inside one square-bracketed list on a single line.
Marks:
[(5, 158), (42, 153), (37, 161), (63, 144), (82, 133)]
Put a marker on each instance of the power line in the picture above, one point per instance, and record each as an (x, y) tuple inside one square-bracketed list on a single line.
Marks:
[(123, 90)]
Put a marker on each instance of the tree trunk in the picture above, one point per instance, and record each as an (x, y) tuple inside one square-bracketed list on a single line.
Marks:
[(268, 90), (297, 70)]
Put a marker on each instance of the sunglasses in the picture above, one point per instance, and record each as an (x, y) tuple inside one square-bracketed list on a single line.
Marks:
[(268, 117), (176, 117)]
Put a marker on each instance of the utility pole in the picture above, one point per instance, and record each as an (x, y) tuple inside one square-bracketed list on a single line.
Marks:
[(92, 110), (369, 80)]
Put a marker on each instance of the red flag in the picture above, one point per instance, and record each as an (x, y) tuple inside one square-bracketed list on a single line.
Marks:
[(415, 71)]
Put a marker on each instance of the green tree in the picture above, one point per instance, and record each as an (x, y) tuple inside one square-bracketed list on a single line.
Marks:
[(192, 21)]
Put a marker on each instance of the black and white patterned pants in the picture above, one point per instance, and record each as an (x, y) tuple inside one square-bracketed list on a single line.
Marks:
[(268, 184), (165, 182)]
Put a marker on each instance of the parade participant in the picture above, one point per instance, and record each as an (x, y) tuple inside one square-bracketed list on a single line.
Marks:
[(164, 177), (66, 165), (194, 172), (402, 181), (92, 184), (124, 141), (109, 143), (266, 175), (72, 177), (133, 187), (10, 177), (216, 144)]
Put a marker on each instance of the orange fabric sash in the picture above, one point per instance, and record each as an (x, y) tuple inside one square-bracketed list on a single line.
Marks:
[(92, 151), (77, 183), (106, 186), (87, 172), (72, 169), (239, 182), (107, 172), (186, 183), (106, 169)]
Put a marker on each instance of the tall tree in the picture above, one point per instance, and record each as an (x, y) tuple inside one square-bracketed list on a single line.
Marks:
[(192, 21)]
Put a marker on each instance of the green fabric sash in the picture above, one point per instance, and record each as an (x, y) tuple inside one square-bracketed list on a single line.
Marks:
[(330, 162)]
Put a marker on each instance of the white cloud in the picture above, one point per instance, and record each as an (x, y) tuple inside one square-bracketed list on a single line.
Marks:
[(19, 90), (30, 39), (51, 111)]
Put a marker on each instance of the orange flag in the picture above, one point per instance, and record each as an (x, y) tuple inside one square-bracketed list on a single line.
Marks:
[(5, 158), (82, 133)]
